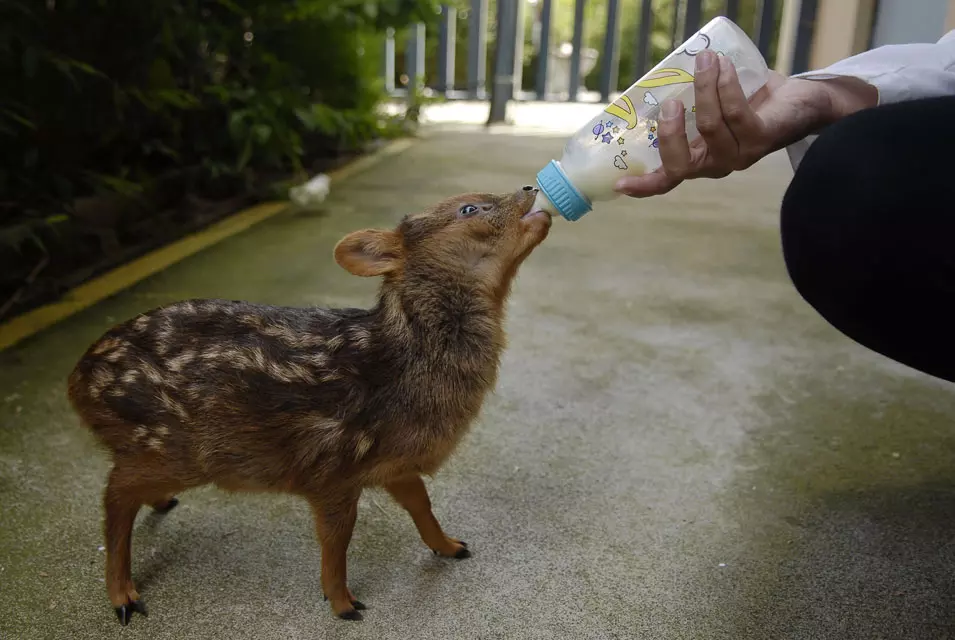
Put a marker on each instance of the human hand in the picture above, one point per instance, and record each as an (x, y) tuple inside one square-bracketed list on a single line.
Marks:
[(734, 133)]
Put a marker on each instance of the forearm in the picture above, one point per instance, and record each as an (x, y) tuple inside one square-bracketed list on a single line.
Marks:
[(881, 76), (896, 73), (845, 96)]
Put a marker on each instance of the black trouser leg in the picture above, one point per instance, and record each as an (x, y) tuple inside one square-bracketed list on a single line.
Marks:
[(868, 230)]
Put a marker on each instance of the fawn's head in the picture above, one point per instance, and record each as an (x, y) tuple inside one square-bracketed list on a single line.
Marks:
[(473, 242)]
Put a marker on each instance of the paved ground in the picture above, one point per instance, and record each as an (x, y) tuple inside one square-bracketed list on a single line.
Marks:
[(679, 447)]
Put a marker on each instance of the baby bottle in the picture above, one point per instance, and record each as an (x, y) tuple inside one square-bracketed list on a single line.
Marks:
[(622, 139)]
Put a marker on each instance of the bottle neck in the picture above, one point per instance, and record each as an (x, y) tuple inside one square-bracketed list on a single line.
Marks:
[(543, 203)]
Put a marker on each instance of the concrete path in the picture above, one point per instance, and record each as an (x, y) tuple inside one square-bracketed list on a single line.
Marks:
[(679, 447)]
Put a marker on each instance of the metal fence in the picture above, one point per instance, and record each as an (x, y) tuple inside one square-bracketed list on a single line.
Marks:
[(508, 49)]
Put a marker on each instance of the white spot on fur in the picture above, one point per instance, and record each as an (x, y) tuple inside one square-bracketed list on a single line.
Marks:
[(364, 445), (212, 353), (154, 444), (173, 406), (162, 431), (141, 323), (329, 429), (139, 433), (317, 359), (100, 379), (336, 343), (163, 336), (361, 337), (116, 354), (178, 362), (130, 376), (106, 344), (152, 373), (289, 336)]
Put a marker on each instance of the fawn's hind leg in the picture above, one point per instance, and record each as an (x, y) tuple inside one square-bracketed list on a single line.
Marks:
[(126, 491), (334, 523), (411, 494)]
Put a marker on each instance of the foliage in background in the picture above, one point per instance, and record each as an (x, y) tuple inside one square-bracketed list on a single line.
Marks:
[(113, 109)]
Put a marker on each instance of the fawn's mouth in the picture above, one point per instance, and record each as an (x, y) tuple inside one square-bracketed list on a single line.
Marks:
[(535, 213)]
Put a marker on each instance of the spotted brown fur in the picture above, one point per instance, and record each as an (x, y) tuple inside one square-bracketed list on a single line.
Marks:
[(317, 402)]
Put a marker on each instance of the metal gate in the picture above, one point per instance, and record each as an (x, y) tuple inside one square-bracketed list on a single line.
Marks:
[(560, 70)]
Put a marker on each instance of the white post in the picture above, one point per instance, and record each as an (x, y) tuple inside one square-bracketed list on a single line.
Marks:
[(788, 27)]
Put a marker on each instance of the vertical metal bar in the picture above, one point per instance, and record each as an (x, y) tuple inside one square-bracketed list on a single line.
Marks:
[(692, 18), (477, 49), (544, 55), (765, 21), (643, 39), (520, 18), (389, 62), (804, 34), (786, 40), (415, 58), (447, 38), (505, 58), (732, 10), (578, 43), (611, 52), (675, 25)]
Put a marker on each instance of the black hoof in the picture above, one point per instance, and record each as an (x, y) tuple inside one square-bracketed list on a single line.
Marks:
[(462, 554), (169, 505), (125, 612), (350, 615), (359, 605)]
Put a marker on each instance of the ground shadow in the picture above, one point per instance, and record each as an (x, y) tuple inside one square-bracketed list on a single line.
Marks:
[(849, 519)]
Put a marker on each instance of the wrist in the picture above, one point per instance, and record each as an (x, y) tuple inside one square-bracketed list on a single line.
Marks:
[(842, 96)]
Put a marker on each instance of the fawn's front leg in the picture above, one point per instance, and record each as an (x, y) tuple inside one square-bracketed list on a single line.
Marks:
[(334, 523), (411, 494)]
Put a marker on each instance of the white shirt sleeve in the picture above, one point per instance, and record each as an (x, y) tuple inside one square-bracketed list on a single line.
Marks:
[(899, 72)]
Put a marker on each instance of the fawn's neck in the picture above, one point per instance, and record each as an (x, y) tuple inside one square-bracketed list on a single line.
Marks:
[(457, 328)]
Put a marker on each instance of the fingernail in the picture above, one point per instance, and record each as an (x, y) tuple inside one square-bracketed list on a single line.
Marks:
[(621, 185), (704, 60), (725, 64), (671, 109)]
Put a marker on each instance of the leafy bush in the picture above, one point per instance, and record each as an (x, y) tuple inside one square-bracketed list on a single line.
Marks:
[(111, 110)]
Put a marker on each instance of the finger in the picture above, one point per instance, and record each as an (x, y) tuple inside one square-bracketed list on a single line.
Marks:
[(674, 148), (651, 184), (723, 148), (739, 114)]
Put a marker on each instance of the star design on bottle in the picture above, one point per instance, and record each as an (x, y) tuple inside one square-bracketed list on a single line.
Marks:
[(607, 137), (623, 152), (620, 140), (616, 131)]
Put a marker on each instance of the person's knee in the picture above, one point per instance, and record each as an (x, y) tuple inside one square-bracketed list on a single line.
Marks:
[(819, 214)]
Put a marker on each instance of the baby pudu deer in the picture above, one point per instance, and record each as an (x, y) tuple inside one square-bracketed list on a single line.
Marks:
[(321, 403)]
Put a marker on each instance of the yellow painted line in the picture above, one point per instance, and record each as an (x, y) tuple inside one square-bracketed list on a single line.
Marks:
[(124, 276)]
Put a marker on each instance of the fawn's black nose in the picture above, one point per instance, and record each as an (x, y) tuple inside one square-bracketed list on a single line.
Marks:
[(531, 188)]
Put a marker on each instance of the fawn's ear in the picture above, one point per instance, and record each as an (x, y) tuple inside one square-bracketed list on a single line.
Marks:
[(370, 252)]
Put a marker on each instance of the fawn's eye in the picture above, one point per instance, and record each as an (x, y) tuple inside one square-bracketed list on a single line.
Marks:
[(468, 210)]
